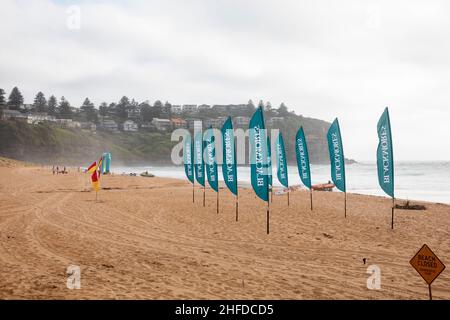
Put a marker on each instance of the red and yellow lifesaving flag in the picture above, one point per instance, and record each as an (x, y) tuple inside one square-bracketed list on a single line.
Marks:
[(92, 167), (95, 181)]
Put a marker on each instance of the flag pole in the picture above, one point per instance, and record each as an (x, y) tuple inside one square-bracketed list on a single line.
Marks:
[(193, 191), (345, 204), (217, 200), (268, 216), (204, 188), (96, 193), (393, 208), (288, 196), (237, 207), (311, 197), (429, 291)]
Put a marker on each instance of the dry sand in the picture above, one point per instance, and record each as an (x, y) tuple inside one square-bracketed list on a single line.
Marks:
[(144, 239)]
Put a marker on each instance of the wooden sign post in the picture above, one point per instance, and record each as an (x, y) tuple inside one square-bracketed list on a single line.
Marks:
[(428, 265)]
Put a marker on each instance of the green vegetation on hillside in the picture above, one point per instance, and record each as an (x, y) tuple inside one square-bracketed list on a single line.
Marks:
[(45, 143), (48, 144)]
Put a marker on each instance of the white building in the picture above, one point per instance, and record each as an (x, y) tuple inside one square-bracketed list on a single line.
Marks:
[(242, 121), (176, 108), (162, 124), (108, 124), (13, 114), (190, 108), (130, 126), (215, 123), (36, 118), (134, 113), (68, 123)]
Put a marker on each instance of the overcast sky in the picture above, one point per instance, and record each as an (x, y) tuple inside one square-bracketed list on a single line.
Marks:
[(323, 59)]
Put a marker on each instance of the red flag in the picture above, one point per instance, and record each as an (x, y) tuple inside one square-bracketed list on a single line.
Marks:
[(92, 167), (95, 182)]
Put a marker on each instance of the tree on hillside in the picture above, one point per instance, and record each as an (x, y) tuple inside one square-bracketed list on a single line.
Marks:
[(88, 110), (40, 103), (52, 106), (15, 99), (167, 110), (2, 97), (261, 104), (64, 109), (250, 108), (103, 109), (146, 111), (157, 109), (283, 110), (122, 108)]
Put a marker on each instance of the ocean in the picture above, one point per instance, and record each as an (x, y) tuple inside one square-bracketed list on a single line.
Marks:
[(426, 181)]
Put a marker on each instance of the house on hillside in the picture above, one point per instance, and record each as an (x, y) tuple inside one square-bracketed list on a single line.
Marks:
[(68, 123), (203, 107), (215, 123), (148, 126), (178, 123), (26, 107), (176, 109), (162, 124), (134, 113), (108, 125), (35, 118), (13, 115), (242, 122), (190, 108), (191, 122), (130, 126), (89, 126)]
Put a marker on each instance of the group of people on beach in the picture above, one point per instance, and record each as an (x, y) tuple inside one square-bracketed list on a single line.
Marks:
[(57, 171)]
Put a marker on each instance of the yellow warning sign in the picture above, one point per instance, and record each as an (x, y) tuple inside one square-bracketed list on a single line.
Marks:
[(427, 264)]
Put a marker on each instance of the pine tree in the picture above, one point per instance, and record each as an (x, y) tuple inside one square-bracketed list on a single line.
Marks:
[(157, 109), (122, 107), (2, 97), (250, 108), (52, 105), (40, 103), (283, 110), (103, 109), (89, 111), (167, 109), (261, 104), (15, 99), (146, 111), (64, 109)]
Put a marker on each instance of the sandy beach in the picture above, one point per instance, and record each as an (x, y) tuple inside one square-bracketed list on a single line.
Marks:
[(145, 239)]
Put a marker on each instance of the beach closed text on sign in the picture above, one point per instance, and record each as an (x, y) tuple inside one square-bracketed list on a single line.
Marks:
[(427, 264)]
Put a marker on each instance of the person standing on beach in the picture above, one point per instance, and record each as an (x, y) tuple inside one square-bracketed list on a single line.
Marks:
[(53, 170)]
